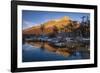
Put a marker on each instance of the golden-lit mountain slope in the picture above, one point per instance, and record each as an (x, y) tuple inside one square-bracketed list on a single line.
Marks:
[(51, 26)]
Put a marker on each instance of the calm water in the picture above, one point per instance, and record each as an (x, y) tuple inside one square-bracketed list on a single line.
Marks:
[(32, 52)]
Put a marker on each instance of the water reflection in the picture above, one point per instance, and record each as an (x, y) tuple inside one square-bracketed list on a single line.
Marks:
[(45, 46), (43, 51)]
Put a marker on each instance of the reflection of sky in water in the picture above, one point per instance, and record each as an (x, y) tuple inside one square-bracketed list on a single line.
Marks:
[(31, 53)]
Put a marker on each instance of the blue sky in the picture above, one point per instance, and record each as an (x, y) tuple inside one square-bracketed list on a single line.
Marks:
[(33, 18)]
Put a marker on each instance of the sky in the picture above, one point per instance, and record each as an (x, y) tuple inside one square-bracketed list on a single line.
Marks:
[(33, 18)]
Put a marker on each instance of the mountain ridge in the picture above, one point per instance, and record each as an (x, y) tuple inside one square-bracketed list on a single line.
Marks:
[(50, 26)]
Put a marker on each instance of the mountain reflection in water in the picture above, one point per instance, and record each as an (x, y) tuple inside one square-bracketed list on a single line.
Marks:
[(39, 51)]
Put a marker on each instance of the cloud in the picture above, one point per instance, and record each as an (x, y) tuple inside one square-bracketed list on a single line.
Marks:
[(27, 24)]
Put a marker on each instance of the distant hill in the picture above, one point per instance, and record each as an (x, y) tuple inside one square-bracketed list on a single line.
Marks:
[(62, 24)]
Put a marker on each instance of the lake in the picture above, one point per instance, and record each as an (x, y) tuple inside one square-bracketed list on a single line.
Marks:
[(34, 52)]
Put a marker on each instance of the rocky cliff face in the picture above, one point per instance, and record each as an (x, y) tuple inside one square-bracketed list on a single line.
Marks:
[(52, 26)]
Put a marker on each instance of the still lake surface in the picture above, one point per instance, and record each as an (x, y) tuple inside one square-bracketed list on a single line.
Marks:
[(31, 52)]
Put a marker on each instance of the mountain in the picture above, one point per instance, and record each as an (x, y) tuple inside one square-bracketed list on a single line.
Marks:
[(52, 26)]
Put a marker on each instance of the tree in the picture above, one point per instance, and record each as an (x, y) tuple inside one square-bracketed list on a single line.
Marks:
[(55, 30), (83, 19), (69, 27), (42, 28)]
